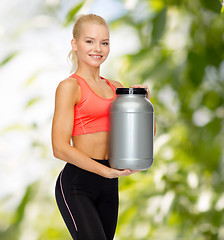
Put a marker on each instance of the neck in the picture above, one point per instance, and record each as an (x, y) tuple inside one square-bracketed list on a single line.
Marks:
[(92, 74)]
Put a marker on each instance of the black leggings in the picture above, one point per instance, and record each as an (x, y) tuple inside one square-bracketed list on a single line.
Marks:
[(88, 203)]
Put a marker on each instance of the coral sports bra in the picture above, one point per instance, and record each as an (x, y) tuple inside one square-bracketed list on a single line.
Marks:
[(91, 114)]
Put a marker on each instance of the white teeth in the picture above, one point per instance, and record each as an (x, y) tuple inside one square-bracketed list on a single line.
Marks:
[(95, 56)]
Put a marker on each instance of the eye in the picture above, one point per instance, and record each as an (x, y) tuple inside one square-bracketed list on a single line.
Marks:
[(89, 41), (106, 43)]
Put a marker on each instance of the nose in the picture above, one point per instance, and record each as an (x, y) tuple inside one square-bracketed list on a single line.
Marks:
[(97, 47)]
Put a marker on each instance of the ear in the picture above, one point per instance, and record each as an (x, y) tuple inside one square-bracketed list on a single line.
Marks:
[(74, 44)]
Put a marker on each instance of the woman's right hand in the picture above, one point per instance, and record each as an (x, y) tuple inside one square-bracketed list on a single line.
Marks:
[(115, 173)]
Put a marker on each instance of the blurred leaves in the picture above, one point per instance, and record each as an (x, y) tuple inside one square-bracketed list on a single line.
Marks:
[(33, 101), (222, 4), (212, 5), (21, 208), (8, 58), (12, 232), (70, 17), (159, 25)]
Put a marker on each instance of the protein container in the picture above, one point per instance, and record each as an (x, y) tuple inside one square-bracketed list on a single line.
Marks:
[(131, 130)]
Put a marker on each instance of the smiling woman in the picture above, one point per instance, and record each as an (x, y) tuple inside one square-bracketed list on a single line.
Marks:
[(87, 188)]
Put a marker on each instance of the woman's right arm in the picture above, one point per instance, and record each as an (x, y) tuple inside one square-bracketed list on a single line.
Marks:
[(67, 96)]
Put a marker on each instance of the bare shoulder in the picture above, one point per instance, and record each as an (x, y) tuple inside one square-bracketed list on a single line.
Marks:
[(68, 84), (69, 88), (116, 83)]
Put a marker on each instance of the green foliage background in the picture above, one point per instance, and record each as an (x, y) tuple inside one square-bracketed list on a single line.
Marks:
[(180, 56)]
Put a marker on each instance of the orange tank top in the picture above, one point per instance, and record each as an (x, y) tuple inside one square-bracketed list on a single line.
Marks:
[(91, 114)]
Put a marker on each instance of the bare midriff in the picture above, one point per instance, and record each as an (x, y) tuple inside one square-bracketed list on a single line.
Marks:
[(94, 145)]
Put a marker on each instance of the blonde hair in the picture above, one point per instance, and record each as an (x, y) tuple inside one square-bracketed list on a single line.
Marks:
[(84, 18)]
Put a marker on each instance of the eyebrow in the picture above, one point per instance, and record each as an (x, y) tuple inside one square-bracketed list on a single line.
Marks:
[(94, 38)]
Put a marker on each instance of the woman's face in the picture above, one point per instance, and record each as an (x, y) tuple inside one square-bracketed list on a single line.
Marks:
[(92, 47)]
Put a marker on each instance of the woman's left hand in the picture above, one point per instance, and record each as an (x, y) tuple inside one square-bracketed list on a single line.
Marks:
[(143, 86)]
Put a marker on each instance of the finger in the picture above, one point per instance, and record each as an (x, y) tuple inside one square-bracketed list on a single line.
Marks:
[(139, 86), (124, 172), (134, 171), (143, 86), (148, 92), (128, 171)]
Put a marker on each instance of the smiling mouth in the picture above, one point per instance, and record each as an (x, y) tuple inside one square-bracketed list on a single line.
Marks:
[(96, 56)]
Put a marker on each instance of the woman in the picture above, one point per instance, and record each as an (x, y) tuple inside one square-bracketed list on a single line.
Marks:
[(87, 188)]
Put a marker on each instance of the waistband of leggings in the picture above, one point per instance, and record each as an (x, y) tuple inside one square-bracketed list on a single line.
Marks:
[(102, 161)]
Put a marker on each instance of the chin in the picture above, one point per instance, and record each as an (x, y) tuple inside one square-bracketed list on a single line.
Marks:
[(96, 65)]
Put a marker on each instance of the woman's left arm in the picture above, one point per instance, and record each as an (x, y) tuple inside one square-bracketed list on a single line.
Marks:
[(148, 97)]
